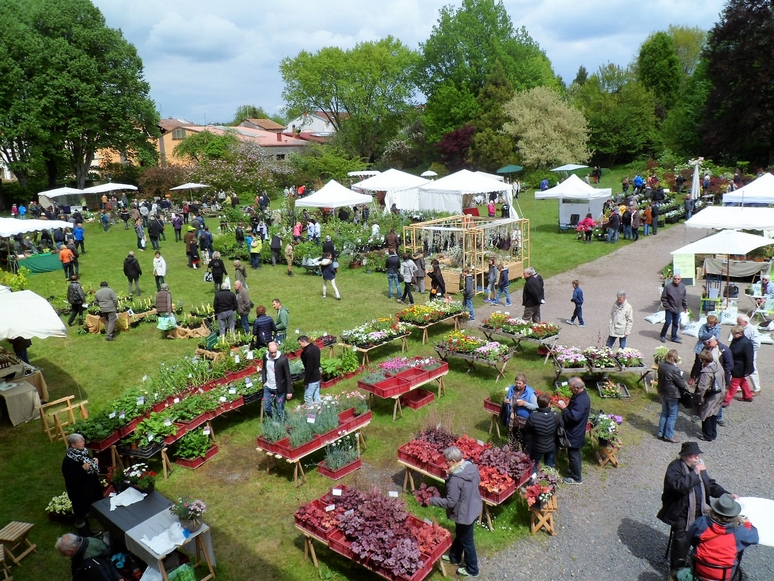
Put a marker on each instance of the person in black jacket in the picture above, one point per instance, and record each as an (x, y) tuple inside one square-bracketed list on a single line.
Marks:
[(310, 357), (90, 558), (541, 426), (533, 295), (264, 328), (670, 387), (218, 269), (743, 352), (81, 476), (155, 229), (276, 249), (329, 248), (393, 268), (575, 416), (437, 282), (133, 272), (687, 492), (277, 382), (225, 305), (76, 297)]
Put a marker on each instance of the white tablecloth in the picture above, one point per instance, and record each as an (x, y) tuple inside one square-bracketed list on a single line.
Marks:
[(760, 511), (157, 524)]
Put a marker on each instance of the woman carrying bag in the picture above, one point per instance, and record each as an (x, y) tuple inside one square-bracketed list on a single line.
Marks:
[(521, 401)]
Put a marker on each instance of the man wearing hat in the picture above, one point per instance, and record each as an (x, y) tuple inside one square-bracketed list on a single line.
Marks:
[(688, 489), (720, 536)]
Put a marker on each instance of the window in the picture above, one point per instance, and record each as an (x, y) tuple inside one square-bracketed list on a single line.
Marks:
[(178, 134), (280, 156)]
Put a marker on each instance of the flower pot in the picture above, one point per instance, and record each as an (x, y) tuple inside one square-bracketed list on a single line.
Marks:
[(192, 525), (341, 472), (359, 421), (497, 497), (338, 543), (414, 375), (68, 519), (253, 397), (331, 382), (148, 488)]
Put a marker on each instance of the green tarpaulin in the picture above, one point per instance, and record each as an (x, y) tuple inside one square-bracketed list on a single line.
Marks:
[(41, 263)]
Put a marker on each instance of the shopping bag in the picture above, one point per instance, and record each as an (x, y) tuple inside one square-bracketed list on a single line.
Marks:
[(166, 322), (142, 242), (685, 319), (227, 282), (207, 276)]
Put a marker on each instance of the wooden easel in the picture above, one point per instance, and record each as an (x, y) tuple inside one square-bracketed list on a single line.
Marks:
[(543, 517)]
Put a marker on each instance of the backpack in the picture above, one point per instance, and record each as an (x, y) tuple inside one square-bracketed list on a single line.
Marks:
[(73, 295)]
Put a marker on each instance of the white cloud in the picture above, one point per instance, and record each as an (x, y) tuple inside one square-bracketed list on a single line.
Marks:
[(207, 58)]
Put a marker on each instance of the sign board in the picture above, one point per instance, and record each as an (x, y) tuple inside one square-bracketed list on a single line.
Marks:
[(684, 264)]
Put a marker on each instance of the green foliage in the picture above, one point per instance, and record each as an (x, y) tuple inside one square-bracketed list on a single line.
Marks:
[(319, 163), (206, 145), (364, 90), (157, 181), (193, 445), (252, 112), (326, 419), (331, 366), (658, 69), (688, 43), (349, 361), (681, 130), (341, 453), (273, 431), (547, 130), (15, 282), (582, 76)]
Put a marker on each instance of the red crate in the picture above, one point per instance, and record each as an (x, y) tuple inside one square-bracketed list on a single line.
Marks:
[(105, 443), (346, 416), (492, 407), (440, 548), (179, 433), (341, 472), (302, 450), (127, 429), (338, 543), (413, 375), (439, 371), (359, 421), (434, 469), (331, 382), (497, 497), (159, 406), (234, 404), (198, 421), (198, 461), (417, 398), (273, 447)]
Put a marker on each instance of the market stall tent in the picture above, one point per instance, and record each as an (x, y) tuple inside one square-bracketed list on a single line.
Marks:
[(400, 188), (576, 197), (740, 218), (11, 226), (333, 195), (26, 314), (758, 191), (456, 191), (725, 242)]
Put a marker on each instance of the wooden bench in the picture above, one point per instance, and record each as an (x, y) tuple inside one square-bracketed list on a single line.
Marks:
[(15, 534), (4, 566)]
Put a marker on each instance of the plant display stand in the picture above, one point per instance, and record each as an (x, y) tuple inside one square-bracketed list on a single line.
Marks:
[(543, 517), (147, 454), (493, 409), (295, 456), (366, 350), (454, 318), (471, 360), (548, 343), (199, 460), (606, 455), (403, 386)]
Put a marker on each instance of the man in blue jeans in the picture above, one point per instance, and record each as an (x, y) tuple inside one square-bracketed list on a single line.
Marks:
[(277, 382), (502, 286), (310, 357), (393, 268), (468, 290), (674, 299), (614, 222)]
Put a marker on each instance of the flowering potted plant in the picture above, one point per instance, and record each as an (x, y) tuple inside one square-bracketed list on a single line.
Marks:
[(507, 324), (601, 358), (60, 509), (541, 330), (569, 357), (492, 352), (605, 428), (341, 458), (610, 388), (540, 493), (137, 475), (190, 512), (459, 342), (630, 357)]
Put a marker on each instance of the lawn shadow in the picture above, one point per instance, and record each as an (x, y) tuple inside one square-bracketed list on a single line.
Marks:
[(645, 542)]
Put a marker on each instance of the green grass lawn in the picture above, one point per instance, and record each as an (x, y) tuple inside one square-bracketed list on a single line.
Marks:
[(250, 510)]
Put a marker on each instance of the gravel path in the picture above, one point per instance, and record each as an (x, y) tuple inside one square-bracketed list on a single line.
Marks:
[(620, 537)]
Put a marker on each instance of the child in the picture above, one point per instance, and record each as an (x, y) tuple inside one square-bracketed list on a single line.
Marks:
[(491, 209), (577, 298), (491, 282)]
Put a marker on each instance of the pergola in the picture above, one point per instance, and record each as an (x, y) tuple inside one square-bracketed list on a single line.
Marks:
[(465, 240)]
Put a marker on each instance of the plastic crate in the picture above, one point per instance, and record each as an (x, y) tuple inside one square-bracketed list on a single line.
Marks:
[(417, 398)]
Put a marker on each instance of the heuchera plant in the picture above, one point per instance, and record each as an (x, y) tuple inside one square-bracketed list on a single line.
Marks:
[(424, 493)]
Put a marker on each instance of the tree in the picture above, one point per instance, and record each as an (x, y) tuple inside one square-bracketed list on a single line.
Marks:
[(739, 115), (364, 92), (681, 130), (252, 112), (688, 42), (157, 181), (72, 86), (324, 162), (207, 145), (620, 114), (658, 69), (454, 147), (491, 148), (460, 53), (547, 130), (582, 76)]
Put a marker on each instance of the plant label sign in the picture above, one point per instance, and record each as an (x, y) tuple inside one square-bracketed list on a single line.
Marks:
[(393, 493), (206, 431), (237, 359), (111, 415), (330, 507), (563, 384), (232, 390), (222, 399), (145, 378), (480, 442), (336, 492), (122, 416), (176, 400), (428, 521), (167, 422), (351, 511), (150, 437), (141, 400), (250, 355), (248, 382), (130, 312), (310, 418)]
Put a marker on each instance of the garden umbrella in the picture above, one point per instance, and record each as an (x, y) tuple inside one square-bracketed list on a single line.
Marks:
[(190, 186), (696, 183), (726, 242), (510, 168)]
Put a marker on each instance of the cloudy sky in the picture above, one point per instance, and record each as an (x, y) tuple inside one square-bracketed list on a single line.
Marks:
[(204, 58)]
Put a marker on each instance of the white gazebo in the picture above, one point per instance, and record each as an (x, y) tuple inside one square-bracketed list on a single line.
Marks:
[(741, 218), (400, 188), (576, 199), (758, 191), (333, 195), (456, 191)]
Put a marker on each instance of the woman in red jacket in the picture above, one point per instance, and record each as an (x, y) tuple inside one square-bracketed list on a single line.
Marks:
[(587, 227)]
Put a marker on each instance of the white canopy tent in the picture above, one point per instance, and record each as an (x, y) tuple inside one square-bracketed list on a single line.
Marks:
[(333, 195), (725, 242), (491, 176), (25, 314), (576, 197), (741, 218), (363, 173), (190, 186), (758, 191), (46, 199), (401, 188), (11, 227), (447, 194), (109, 187), (569, 167)]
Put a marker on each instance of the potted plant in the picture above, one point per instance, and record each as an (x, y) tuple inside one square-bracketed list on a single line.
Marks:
[(138, 475), (194, 449), (341, 458), (605, 429), (190, 512), (569, 357), (60, 509), (540, 494), (494, 402)]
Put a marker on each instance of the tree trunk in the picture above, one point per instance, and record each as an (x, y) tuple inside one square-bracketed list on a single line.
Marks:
[(51, 170)]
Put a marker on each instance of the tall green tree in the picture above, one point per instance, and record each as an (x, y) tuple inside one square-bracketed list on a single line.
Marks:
[(620, 114), (364, 92), (492, 148), (681, 130), (460, 53), (658, 69), (739, 117), (689, 42), (547, 130), (77, 87), (581, 76), (252, 112)]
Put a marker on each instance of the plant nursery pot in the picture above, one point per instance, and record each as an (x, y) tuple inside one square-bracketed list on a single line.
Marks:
[(492, 407), (105, 443), (198, 461), (192, 525), (341, 472)]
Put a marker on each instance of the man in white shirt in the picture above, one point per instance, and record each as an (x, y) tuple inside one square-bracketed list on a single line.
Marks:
[(755, 338)]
